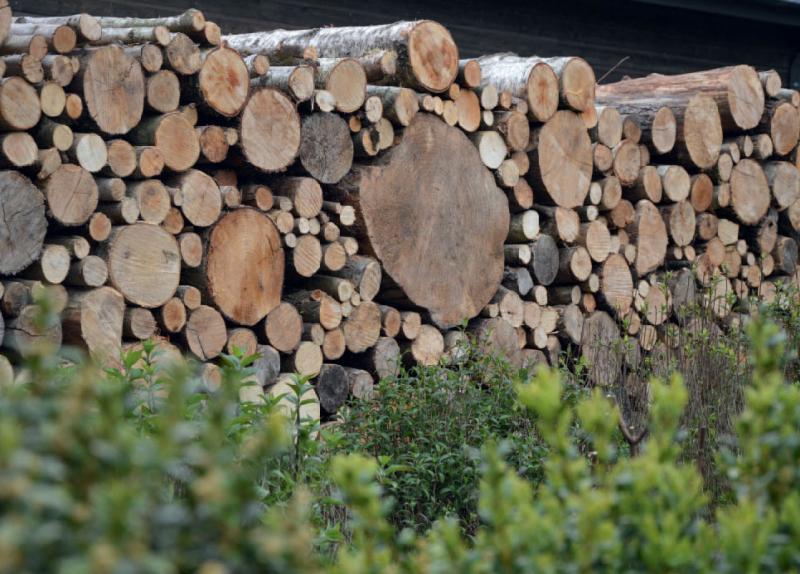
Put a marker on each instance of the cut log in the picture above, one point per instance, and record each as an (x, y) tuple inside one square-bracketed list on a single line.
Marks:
[(648, 232), (333, 387), (138, 323), (680, 221), (784, 181), (172, 315), (574, 265), (456, 269), (400, 105), (785, 255), (162, 92), (305, 193), (362, 328), (531, 79), (242, 267), (561, 222), (648, 185), (627, 161), (427, 348), (427, 56), (93, 320), (18, 149), (131, 249), (71, 195), (201, 201), (223, 82), (599, 348), (616, 285), (782, 122), (283, 327), (89, 151), (750, 194), (608, 130), (561, 162), (594, 236), (19, 104), (173, 136), (91, 271), (364, 273), (205, 334), (112, 84), (27, 334), (306, 256), (269, 130), (326, 149), (345, 79), (544, 259)]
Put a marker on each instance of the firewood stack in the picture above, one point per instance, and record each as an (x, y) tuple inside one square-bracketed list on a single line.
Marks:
[(341, 200)]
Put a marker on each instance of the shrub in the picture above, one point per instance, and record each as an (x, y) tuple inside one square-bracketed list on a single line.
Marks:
[(426, 426)]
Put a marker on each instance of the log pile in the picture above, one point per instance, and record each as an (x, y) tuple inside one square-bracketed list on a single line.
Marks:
[(339, 201)]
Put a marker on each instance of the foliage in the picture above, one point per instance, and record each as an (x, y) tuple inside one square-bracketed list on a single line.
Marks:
[(141, 469), (426, 427)]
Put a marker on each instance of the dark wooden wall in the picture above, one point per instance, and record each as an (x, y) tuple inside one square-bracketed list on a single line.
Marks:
[(644, 38)]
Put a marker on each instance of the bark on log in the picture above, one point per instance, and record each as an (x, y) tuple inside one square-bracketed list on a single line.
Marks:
[(427, 56)]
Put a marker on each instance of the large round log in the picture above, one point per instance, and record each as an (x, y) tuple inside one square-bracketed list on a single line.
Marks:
[(561, 161), (113, 87), (242, 269), (435, 218), (144, 264), (269, 130), (427, 57), (22, 222), (19, 104), (72, 195)]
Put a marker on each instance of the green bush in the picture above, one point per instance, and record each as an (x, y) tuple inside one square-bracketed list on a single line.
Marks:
[(139, 470), (426, 427)]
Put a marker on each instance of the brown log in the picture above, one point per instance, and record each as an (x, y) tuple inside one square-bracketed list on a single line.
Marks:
[(213, 143), (173, 136), (298, 81), (608, 130), (132, 248), (396, 180), (138, 323), (626, 162), (223, 82), (205, 334), (530, 79), (52, 266), (680, 222), (121, 159), (19, 104), (94, 320), (306, 256), (675, 182), (112, 84), (25, 66), (574, 265), (599, 348), (362, 328), (616, 285), (149, 162), (782, 122), (563, 142), (400, 105), (242, 249), (784, 182), (162, 92), (345, 79), (427, 348), (305, 193), (594, 236), (269, 130), (201, 201), (172, 315), (762, 146), (648, 185), (648, 232), (242, 339), (27, 333), (283, 327), (750, 194), (71, 195), (91, 271), (18, 149), (427, 56)]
